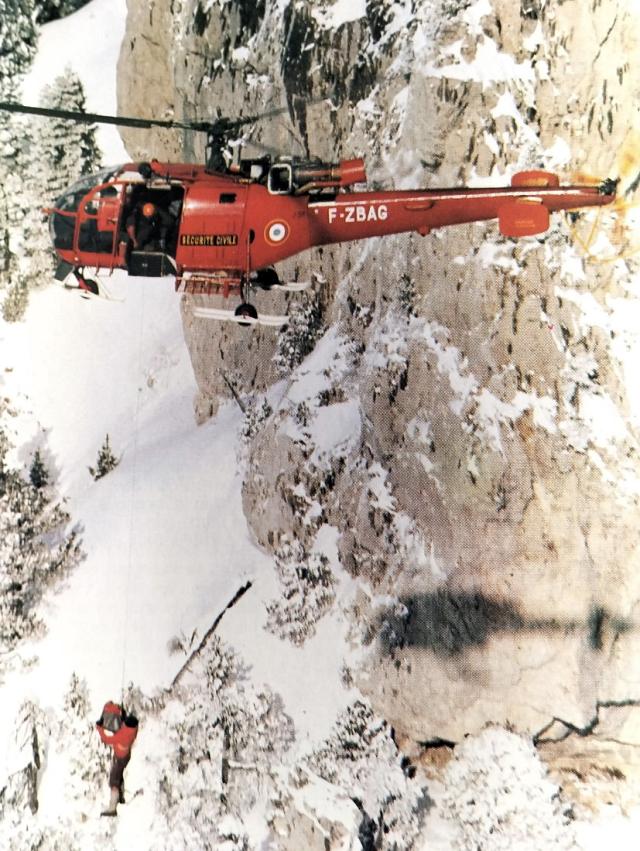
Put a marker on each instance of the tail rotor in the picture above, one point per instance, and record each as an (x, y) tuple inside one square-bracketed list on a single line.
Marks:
[(612, 234)]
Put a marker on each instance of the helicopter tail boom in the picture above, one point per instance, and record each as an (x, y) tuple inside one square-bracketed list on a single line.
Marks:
[(521, 210)]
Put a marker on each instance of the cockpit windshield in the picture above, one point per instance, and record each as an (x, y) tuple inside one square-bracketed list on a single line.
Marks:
[(68, 203)]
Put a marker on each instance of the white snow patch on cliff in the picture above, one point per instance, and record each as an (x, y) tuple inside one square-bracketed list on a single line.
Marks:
[(335, 427), (620, 318), (489, 65), (491, 413), (339, 13), (327, 363), (451, 363), (558, 154), (474, 15)]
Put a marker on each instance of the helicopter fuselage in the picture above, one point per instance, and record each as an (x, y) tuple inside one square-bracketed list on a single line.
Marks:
[(225, 227)]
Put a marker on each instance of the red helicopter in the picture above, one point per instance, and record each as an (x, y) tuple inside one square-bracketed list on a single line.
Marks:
[(221, 227)]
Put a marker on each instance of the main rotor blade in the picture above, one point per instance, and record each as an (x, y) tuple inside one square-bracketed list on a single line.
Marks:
[(95, 118), (218, 125)]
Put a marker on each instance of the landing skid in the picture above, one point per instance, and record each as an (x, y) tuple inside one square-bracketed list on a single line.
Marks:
[(228, 315), (292, 286), (89, 293)]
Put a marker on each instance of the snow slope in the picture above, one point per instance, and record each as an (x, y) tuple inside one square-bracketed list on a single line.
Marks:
[(154, 529), (166, 541)]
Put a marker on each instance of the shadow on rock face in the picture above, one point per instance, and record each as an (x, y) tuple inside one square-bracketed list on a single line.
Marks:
[(448, 623)]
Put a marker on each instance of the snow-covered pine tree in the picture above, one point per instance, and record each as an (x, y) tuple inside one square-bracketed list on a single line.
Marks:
[(18, 39), (256, 414), (38, 473), (305, 327), (67, 742), (66, 150), (32, 176), (106, 462), (14, 201), (500, 796), (307, 591), (361, 757), (223, 735), (52, 10), (35, 548), (78, 742), (20, 793)]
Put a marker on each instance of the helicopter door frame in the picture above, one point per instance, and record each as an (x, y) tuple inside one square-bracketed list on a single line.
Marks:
[(98, 216)]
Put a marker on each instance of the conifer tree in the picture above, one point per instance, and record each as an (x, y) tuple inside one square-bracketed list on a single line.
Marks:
[(67, 150), (34, 549), (38, 473), (14, 203), (87, 758), (18, 39), (32, 176), (106, 462), (52, 10)]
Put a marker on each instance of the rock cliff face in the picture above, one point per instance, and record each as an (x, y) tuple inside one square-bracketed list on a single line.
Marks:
[(467, 425)]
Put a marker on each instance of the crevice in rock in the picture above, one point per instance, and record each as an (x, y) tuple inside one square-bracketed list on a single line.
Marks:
[(437, 743), (605, 39), (570, 729)]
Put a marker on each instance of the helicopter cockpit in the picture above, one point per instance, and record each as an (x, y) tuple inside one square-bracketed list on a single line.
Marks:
[(62, 221), (89, 223)]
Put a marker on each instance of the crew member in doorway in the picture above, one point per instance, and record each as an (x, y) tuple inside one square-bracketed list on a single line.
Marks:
[(118, 730), (149, 227)]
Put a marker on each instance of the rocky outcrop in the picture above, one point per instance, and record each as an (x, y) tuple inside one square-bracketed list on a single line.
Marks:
[(468, 423)]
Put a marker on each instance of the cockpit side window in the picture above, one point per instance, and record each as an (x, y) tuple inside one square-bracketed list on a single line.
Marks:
[(62, 226)]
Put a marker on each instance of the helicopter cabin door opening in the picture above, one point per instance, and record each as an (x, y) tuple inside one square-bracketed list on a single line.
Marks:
[(149, 227)]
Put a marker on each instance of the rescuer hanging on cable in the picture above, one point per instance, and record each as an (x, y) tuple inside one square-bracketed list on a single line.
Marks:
[(118, 730)]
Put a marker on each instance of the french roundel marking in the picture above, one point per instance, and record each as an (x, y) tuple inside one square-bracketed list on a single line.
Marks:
[(276, 232)]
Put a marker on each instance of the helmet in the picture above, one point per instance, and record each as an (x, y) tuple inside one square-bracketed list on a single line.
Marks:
[(148, 210)]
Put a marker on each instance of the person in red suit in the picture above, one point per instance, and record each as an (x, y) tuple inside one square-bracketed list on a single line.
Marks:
[(118, 730)]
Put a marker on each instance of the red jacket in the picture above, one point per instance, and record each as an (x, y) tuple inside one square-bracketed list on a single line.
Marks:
[(121, 741)]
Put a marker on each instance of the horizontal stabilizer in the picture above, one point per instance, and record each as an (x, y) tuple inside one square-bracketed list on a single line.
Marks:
[(228, 315), (523, 217)]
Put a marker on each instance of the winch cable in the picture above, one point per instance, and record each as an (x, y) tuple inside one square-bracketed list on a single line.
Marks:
[(132, 495)]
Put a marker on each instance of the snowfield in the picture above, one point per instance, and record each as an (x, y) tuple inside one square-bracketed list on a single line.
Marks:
[(166, 542)]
